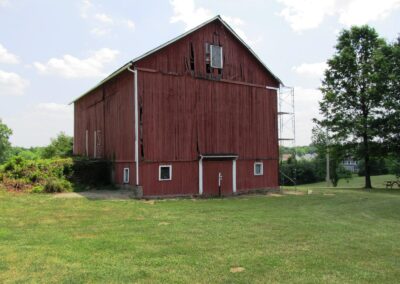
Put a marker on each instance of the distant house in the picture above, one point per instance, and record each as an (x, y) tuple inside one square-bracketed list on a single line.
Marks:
[(196, 112), (350, 164)]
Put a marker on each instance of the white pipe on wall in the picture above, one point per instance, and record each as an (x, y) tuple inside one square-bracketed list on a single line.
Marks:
[(135, 91), (201, 175)]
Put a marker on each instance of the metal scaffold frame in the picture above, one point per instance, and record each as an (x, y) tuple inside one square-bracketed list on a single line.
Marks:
[(287, 127)]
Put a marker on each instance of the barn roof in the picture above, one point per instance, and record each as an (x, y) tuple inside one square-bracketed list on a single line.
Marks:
[(216, 18)]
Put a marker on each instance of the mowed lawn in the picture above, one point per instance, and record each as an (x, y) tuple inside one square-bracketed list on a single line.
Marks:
[(330, 236), (356, 182)]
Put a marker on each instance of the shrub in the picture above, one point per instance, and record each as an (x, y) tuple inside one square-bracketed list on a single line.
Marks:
[(57, 185), (21, 174), (37, 189)]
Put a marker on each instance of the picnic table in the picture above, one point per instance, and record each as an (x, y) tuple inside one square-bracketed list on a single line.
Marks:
[(391, 183)]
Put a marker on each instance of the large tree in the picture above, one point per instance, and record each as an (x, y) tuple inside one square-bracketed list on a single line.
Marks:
[(389, 85), (5, 145), (352, 102)]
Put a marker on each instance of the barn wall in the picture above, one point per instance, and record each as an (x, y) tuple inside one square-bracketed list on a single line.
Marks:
[(184, 117), (246, 179), (184, 181), (108, 110)]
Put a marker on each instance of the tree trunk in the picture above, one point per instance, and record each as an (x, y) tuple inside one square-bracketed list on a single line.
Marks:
[(368, 184)]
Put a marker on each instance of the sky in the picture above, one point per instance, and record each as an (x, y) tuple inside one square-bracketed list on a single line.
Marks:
[(53, 51)]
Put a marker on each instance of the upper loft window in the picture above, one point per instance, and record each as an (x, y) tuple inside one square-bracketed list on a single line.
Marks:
[(216, 56)]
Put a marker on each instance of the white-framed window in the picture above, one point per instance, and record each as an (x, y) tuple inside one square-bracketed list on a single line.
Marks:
[(165, 172), (126, 175), (258, 168), (216, 56)]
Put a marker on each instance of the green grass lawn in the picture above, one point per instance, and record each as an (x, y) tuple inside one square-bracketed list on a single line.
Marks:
[(330, 236), (356, 182)]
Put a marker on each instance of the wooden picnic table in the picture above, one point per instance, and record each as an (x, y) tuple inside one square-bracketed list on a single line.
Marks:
[(391, 183)]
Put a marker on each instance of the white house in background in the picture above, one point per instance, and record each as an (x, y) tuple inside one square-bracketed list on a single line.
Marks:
[(350, 164)]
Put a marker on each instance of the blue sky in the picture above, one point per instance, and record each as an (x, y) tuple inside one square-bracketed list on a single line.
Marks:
[(53, 51)]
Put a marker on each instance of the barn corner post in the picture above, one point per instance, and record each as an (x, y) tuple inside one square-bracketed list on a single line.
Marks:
[(138, 188)]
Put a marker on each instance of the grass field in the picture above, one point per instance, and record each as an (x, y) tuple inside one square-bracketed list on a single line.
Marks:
[(330, 236), (356, 182)]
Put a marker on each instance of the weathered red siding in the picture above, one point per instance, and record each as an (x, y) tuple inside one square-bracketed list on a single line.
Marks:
[(184, 113)]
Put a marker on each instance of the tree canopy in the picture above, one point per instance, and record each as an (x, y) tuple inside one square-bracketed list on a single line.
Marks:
[(5, 144), (352, 94), (61, 146)]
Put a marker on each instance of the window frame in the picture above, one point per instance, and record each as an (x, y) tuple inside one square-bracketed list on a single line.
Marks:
[(159, 172), (211, 56), (262, 168), (125, 178)]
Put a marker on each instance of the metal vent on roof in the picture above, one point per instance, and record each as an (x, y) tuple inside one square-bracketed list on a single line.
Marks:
[(216, 56)]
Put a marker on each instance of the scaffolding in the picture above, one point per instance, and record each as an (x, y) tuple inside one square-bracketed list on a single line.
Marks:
[(287, 129)]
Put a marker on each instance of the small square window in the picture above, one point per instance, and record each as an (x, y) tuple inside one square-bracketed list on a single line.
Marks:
[(165, 172), (258, 168), (126, 175)]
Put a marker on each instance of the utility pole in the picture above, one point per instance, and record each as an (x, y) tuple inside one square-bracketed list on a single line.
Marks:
[(328, 176)]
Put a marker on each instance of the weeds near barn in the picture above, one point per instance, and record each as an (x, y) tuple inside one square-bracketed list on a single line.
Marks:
[(344, 236)]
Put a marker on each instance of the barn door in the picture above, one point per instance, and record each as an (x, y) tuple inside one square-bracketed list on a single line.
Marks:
[(215, 173)]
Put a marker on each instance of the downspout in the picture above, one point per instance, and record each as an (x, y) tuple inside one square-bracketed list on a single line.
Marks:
[(135, 91), (201, 175)]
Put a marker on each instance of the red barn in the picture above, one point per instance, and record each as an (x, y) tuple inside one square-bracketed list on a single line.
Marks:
[(196, 113)]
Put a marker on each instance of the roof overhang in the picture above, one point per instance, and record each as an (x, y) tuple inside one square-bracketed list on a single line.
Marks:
[(219, 156)]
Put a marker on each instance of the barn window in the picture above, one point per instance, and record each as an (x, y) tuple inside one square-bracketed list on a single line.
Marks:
[(165, 172), (126, 175), (216, 56), (258, 168)]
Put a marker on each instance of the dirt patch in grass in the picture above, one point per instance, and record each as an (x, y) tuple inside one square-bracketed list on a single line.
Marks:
[(98, 194), (237, 269), (290, 192)]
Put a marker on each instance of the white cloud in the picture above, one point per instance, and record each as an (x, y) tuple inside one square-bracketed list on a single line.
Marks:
[(69, 66), (85, 7), (306, 14), (314, 70), (102, 24), (359, 12), (4, 3), (129, 24), (7, 57), (101, 17), (309, 14), (306, 108), (55, 107), (99, 32), (185, 11), (36, 126), (12, 84)]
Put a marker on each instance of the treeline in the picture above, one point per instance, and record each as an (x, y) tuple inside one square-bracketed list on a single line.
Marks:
[(305, 171)]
